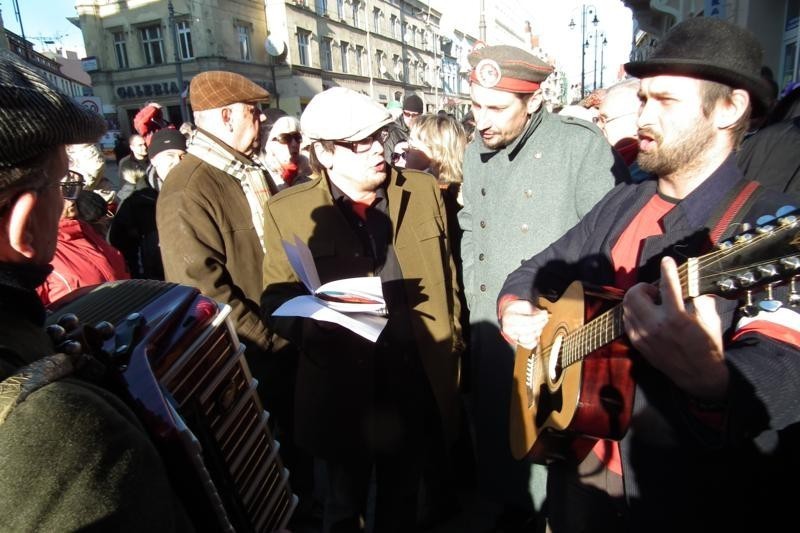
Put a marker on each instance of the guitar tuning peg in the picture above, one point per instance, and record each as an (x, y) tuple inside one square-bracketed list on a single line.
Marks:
[(770, 304), (748, 309), (794, 296)]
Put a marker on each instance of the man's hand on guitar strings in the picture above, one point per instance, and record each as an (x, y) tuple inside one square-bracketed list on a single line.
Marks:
[(522, 323), (686, 345)]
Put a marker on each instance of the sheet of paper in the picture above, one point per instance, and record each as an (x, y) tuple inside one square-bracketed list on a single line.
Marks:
[(303, 263), (367, 325)]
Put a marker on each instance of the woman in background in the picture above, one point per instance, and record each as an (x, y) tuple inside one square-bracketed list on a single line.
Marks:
[(436, 145)]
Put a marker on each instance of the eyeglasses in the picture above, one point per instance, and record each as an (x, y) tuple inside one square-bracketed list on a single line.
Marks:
[(600, 119), (410, 114), (72, 185), (286, 138), (397, 156), (366, 143)]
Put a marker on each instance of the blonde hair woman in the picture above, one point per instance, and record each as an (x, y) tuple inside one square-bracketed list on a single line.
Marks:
[(436, 144)]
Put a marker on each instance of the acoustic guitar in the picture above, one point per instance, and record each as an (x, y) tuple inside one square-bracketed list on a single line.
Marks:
[(576, 387)]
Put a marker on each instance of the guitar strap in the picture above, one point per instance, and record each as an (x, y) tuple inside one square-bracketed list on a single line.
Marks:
[(727, 215)]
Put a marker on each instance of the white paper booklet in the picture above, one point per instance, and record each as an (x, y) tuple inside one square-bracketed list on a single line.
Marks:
[(354, 303)]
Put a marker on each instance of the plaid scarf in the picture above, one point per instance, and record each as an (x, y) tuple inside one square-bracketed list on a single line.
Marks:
[(252, 177)]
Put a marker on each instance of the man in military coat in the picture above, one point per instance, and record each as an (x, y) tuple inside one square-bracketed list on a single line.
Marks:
[(529, 176)]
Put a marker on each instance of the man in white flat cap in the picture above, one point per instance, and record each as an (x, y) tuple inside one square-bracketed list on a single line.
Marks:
[(362, 405)]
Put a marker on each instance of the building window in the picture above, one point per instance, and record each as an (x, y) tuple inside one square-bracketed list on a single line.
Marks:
[(396, 66), (343, 47), (413, 36), (121, 49), (303, 37), (405, 32), (376, 20), (243, 36), (153, 45), (322, 7), (393, 25), (340, 9), (185, 40), (359, 64), (325, 53), (356, 18)]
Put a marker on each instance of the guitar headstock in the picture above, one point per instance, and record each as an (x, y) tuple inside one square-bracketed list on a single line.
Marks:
[(762, 257)]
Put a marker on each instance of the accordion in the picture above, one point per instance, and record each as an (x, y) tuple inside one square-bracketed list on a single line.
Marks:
[(178, 362)]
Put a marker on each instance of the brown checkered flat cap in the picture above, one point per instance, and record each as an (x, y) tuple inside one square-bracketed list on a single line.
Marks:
[(507, 68), (218, 88), (34, 117)]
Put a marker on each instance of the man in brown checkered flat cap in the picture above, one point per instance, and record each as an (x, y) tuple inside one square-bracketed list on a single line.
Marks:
[(529, 176), (209, 213)]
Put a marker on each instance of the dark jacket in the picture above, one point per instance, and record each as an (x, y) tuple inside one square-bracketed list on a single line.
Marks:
[(74, 457), (770, 156), (336, 382), (134, 233), (679, 472), (398, 132)]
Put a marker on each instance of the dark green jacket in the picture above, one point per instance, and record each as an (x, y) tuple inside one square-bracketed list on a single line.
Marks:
[(72, 455)]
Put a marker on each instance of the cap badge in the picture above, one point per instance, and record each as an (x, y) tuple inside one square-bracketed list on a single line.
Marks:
[(487, 72)]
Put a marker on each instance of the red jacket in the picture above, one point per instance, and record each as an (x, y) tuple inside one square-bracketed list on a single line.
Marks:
[(82, 258)]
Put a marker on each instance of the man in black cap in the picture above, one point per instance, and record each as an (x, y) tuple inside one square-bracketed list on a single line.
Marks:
[(528, 177), (74, 456), (399, 130), (133, 230), (711, 387)]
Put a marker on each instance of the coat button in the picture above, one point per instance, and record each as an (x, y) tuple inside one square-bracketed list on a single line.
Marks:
[(483, 287), (483, 223), (483, 191), (524, 228), (538, 155), (480, 257), (529, 193)]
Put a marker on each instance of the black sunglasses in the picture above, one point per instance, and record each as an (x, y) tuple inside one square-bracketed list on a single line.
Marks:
[(285, 138), (72, 185), (397, 156)]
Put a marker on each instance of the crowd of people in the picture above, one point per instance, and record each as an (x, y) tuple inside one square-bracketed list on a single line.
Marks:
[(481, 230)]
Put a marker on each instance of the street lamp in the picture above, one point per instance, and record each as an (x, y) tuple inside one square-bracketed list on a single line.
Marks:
[(602, 53), (178, 68), (586, 11)]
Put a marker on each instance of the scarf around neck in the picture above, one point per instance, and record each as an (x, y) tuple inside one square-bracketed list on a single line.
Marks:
[(251, 176)]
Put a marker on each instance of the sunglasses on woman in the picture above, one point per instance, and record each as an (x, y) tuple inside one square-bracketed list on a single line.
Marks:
[(286, 138)]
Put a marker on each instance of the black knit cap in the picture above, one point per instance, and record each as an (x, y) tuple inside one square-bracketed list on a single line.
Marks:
[(413, 103), (709, 49), (34, 117)]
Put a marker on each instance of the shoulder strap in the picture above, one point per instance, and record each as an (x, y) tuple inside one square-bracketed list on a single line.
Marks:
[(30, 378), (737, 198)]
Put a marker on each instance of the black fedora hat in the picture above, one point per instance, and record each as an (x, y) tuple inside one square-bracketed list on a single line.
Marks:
[(709, 49)]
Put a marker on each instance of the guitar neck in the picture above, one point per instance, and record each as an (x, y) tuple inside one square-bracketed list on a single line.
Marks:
[(604, 329)]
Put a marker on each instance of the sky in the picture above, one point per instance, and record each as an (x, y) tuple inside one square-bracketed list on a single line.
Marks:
[(45, 18), (550, 20)]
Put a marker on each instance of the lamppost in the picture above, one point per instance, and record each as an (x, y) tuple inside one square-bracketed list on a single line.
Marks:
[(178, 67), (586, 11), (597, 38), (602, 54)]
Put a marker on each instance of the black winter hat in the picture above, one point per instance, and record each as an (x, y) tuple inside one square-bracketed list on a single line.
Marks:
[(413, 103), (709, 49), (166, 139), (34, 117), (91, 206)]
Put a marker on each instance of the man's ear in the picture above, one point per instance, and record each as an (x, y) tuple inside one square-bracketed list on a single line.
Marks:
[(729, 111), (20, 238), (323, 156), (535, 102)]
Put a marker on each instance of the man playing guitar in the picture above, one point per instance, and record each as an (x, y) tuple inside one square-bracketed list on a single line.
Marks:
[(711, 429)]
